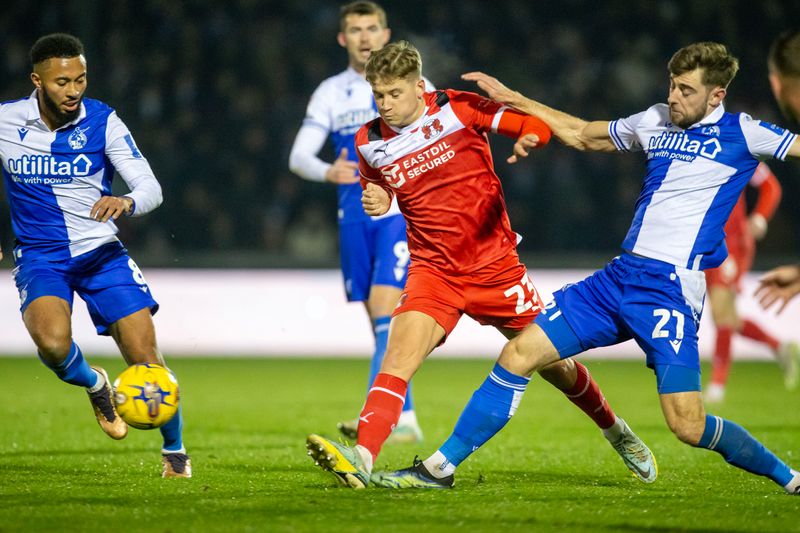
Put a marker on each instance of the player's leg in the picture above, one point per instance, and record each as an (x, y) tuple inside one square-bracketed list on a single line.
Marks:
[(136, 338), (688, 420), (46, 306), (374, 258), (412, 336), (722, 298), (664, 323), (120, 304), (787, 354), (429, 309), (496, 400)]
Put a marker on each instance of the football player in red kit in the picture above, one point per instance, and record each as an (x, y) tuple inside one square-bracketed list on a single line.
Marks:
[(431, 152)]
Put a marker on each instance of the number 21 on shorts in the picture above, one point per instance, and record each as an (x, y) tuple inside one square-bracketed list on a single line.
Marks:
[(661, 330)]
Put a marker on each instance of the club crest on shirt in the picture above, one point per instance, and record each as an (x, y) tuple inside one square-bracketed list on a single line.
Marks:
[(432, 128), (77, 139), (710, 130)]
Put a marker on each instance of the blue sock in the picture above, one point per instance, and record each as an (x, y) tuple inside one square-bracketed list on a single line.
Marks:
[(489, 409), (381, 330), (172, 432), (739, 448), (74, 369)]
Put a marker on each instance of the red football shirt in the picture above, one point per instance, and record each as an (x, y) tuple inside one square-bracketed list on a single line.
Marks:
[(440, 169)]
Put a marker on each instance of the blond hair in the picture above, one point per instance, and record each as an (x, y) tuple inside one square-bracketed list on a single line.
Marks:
[(718, 65), (398, 60), (361, 8)]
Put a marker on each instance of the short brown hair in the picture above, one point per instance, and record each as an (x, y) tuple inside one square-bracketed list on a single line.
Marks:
[(719, 66), (398, 60), (361, 8), (784, 54)]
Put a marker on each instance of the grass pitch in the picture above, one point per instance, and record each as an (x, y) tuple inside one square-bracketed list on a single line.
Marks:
[(245, 426)]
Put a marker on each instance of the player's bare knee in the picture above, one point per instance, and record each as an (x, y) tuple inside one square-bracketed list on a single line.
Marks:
[(562, 373), (53, 346), (517, 359), (687, 430)]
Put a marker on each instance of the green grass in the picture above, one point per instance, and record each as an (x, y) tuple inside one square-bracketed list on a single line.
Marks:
[(245, 427)]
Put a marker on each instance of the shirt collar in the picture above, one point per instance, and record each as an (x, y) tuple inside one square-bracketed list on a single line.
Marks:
[(711, 118), (35, 115)]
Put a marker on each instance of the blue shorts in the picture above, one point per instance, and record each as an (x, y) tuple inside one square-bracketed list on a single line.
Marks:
[(106, 279), (374, 252), (657, 304)]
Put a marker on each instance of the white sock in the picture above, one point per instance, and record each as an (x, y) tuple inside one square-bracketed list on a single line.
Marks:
[(793, 486), (438, 465), (165, 452), (614, 432), (101, 381), (408, 418), (366, 457)]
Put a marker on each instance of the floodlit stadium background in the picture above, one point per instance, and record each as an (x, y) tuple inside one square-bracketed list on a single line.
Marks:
[(214, 93)]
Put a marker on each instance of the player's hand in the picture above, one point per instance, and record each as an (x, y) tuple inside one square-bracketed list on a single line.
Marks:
[(494, 89), (111, 207), (342, 170), (375, 200), (778, 285), (757, 225), (523, 146)]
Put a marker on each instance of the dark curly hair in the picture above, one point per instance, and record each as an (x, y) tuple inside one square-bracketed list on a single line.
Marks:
[(55, 45)]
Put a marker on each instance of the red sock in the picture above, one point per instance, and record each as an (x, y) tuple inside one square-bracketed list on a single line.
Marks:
[(751, 330), (381, 412), (721, 362), (586, 394)]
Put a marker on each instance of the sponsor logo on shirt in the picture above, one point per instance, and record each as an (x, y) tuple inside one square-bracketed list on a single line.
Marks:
[(679, 145), (413, 166), (47, 170), (772, 127)]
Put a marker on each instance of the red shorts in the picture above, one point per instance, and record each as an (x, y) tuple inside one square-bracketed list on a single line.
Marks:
[(500, 295), (729, 274)]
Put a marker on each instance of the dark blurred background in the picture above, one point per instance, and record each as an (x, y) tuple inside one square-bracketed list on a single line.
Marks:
[(214, 93)]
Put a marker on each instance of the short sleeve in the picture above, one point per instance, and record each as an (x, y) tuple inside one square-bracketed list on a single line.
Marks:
[(765, 140), (623, 132)]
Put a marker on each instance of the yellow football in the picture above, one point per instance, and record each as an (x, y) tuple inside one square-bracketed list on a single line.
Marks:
[(146, 395)]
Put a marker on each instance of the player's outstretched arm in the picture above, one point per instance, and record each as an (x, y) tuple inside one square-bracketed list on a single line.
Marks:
[(570, 130), (779, 285), (794, 151)]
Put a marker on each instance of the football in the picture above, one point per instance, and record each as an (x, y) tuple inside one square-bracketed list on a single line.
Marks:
[(146, 395)]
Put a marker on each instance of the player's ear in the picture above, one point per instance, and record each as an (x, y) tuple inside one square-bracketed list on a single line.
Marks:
[(775, 83), (37, 81), (387, 35), (341, 40), (717, 96), (420, 88)]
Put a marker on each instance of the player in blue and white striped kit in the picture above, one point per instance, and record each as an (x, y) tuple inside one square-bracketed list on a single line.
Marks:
[(59, 153), (699, 158), (373, 250)]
